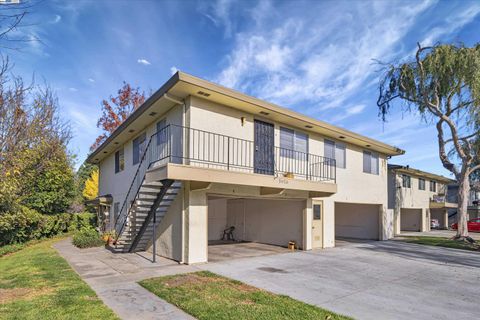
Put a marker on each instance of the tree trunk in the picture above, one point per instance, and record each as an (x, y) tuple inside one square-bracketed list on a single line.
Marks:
[(462, 213)]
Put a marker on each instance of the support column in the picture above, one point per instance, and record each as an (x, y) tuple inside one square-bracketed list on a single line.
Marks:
[(196, 226), (445, 220), (328, 223), (425, 220), (387, 225), (397, 221), (307, 225)]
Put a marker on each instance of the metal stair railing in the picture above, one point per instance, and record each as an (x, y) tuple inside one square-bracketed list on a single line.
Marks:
[(153, 152)]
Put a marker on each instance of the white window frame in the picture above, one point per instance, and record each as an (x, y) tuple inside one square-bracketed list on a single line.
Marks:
[(290, 151), (371, 155), (337, 147)]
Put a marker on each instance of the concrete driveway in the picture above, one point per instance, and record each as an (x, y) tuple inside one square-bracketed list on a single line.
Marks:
[(370, 280), (438, 233)]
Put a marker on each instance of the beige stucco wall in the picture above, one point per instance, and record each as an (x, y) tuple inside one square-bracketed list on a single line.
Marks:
[(217, 218)]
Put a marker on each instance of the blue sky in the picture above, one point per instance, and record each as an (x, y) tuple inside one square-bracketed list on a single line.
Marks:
[(316, 57)]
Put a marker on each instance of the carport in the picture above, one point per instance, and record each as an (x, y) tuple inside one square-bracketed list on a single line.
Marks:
[(410, 219), (441, 215), (357, 221), (261, 226)]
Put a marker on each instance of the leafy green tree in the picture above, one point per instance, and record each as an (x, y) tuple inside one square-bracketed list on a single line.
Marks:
[(442, 85), (35, 165)]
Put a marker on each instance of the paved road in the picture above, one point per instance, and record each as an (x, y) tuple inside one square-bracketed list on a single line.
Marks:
[(114, 278), (371, 280)]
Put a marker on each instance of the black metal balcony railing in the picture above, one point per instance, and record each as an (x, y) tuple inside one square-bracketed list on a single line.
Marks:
[(177, 144), (183, 145)]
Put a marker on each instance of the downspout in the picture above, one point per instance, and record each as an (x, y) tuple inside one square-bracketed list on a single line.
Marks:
[(184, 111)]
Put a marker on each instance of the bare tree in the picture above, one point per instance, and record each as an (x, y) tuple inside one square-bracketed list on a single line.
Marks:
[(12, 21), (442, 85)]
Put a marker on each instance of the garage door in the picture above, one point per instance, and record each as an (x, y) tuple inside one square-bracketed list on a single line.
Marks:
[(411, 219), (357, 221)]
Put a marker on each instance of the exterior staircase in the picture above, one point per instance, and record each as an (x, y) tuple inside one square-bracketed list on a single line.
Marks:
[(147, 210)]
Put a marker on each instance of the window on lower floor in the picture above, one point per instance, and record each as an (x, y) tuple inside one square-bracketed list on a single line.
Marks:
[(370, 162), (421, 184)]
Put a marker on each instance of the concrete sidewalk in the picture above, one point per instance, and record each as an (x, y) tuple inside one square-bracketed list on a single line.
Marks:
[(114, 278)]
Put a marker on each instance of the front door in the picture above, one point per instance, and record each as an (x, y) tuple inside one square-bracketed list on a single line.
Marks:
[(264, 148), (317, 224)]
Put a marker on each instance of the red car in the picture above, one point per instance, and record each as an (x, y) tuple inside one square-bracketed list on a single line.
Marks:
[(473, 225)]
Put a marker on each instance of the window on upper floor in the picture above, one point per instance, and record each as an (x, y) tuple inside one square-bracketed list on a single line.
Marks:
[(337, 151), (406, 181), (433, 186), (139, 145), (119, 161), (421, 184), (293, 144), (370, 162)]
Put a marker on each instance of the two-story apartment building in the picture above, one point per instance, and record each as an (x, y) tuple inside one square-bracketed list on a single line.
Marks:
[(417, 197), (197, 158)]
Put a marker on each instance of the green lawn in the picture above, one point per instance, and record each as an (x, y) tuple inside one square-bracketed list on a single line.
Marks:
[(206, 295), (36, 283), (442, 242)]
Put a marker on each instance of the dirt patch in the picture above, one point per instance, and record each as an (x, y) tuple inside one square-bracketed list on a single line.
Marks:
[(191, 279), (8, 295)]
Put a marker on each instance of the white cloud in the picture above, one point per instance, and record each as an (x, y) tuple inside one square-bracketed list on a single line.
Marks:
[(173, 70), (322, 59), (144, 62), (349, 111), (453, 22), (91, 80), (56, 19), (219, 12), (73, 89)]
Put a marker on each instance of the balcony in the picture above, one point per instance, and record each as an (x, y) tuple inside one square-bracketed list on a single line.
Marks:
[(441, 202), (182, 153)]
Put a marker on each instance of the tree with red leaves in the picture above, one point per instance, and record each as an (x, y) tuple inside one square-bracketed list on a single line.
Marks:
[(116, 109)]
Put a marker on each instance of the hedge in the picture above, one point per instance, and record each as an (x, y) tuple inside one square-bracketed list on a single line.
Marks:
[(87, 238), (26, 224)]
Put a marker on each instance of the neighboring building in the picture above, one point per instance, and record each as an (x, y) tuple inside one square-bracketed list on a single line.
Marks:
[(473, 203), (198, 158), (417, 197)]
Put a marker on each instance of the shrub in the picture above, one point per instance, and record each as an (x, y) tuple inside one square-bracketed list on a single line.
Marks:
[(25, 224), (87, 238)]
